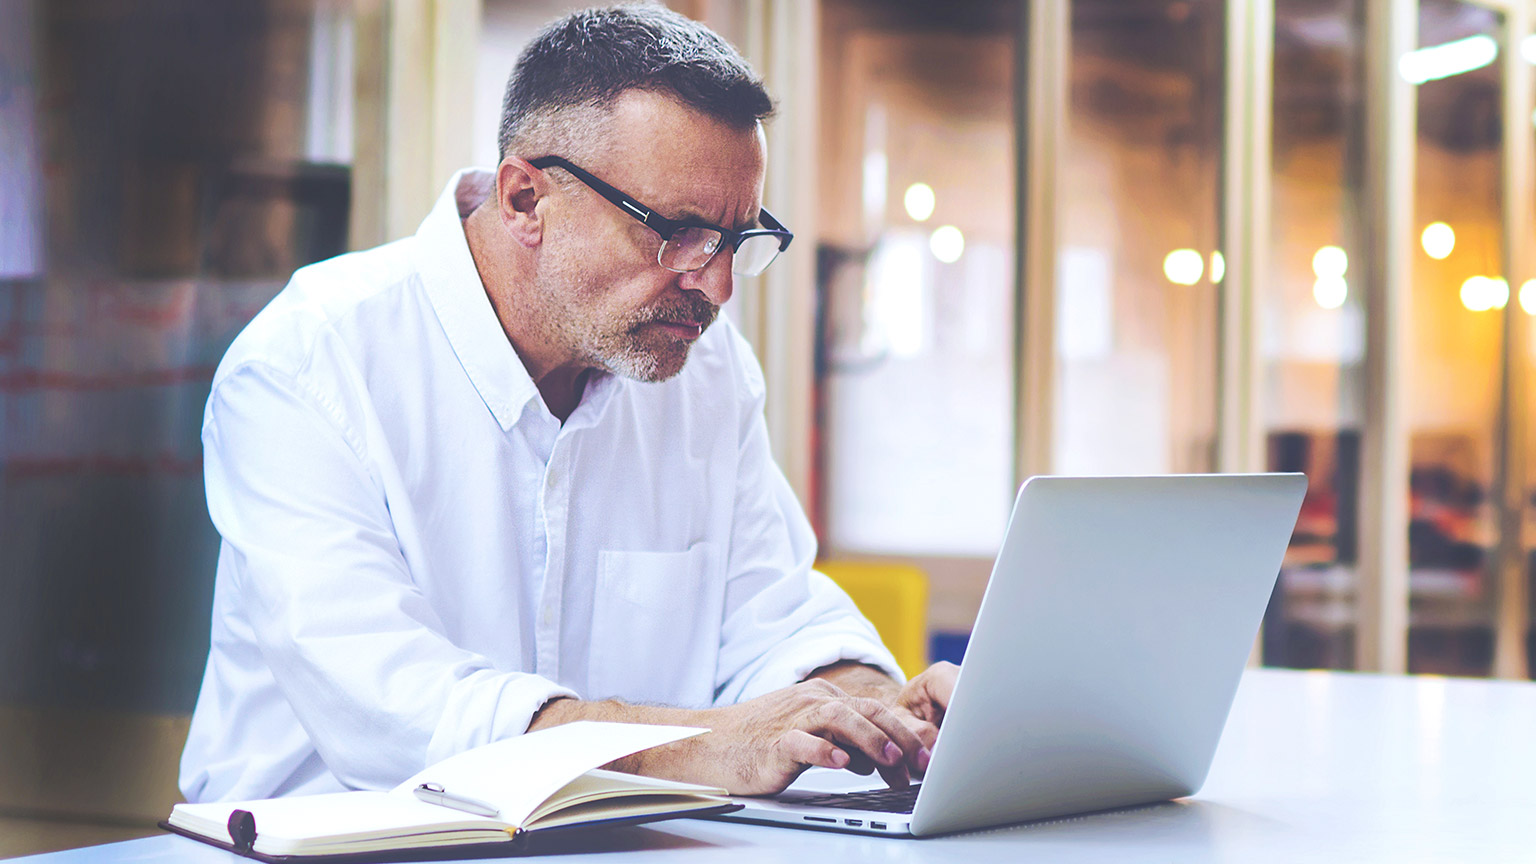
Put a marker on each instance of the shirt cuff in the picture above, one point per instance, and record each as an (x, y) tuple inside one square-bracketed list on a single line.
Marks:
[(487, 705)]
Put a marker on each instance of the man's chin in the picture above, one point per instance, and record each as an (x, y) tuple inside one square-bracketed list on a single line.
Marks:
[(650, 367)]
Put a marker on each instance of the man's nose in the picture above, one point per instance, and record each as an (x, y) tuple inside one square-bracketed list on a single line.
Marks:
[(714, 280)]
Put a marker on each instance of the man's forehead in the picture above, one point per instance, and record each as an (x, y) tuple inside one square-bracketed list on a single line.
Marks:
[(650, 111), (682, 158)]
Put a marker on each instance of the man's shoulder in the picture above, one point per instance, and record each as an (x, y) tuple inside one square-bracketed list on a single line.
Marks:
[(319, 303)]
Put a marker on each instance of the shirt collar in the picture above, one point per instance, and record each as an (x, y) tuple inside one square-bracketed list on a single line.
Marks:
[(458, 297)]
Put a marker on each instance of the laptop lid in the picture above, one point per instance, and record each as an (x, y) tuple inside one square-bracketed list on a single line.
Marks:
[(1109, 645)]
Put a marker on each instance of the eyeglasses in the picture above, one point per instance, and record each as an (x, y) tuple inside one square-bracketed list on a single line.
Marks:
[(688, 244)]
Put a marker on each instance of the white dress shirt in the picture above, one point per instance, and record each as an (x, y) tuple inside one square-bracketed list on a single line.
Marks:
[(417, 555)]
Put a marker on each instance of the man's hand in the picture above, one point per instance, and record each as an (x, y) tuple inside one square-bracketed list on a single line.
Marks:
[(923, 701), (774, 738), (920, 703), (760, 746)]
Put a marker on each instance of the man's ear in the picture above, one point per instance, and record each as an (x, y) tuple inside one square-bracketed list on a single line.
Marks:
[(519, 189)]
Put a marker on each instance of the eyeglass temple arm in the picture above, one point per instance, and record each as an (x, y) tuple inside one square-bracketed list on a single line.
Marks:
[(650, 217), (660, 224), (773, 224)]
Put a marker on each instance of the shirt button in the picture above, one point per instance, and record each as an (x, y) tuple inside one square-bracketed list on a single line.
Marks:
[(550, 480)]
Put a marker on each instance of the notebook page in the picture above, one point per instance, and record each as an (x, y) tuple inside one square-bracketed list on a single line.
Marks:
[(597, 786), (516, 775), (286, 824)]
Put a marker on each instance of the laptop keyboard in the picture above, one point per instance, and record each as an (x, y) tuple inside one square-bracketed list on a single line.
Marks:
[(878, 800)]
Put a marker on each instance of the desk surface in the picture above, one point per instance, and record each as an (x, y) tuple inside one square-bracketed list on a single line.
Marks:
[(1313, 766)]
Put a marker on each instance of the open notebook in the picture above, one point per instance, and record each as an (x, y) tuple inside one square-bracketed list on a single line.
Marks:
[(475, 803)]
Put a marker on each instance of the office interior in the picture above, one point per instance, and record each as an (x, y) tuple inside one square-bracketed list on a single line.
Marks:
[(1032, 237)]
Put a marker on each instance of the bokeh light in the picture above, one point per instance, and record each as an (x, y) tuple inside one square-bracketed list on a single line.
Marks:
[(1330, 292), (1482, 294), (1184, 266), (947, 243), (1330, 262), (919, 201), (1438, 240)]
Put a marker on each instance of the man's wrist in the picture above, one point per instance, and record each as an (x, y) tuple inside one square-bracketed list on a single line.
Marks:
[(860, 679), (566, 709), (658, 761)]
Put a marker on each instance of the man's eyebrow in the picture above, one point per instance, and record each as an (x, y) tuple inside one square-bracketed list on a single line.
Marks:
[(688, 215)]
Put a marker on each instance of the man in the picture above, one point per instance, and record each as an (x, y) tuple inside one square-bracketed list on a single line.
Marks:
[(468, 486)]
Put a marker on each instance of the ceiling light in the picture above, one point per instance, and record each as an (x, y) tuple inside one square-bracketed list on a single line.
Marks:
[(1473, 294), (1498, 292), (947, 243), (1183, 266), (1330, 262), (1481, 294), (919, 201), (1451, 58), (1438, 240), (1330, 292)]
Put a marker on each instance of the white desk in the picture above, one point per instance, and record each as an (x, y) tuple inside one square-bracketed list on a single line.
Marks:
[(1312, 767)]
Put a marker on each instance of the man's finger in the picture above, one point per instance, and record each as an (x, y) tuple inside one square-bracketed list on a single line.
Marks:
[(844, 722), (800, 746), (927, 696), (896, 776), (870, 728), (894, 773), (926, 732), (913, 750), (858, 763)]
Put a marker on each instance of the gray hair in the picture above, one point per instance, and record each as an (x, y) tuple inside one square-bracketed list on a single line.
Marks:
[(588, 59)]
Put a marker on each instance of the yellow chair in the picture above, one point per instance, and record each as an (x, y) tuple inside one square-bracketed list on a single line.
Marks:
[(894, 597)]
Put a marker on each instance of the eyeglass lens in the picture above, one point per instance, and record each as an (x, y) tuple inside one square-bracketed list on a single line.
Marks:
[(691, 248), (755, 254)]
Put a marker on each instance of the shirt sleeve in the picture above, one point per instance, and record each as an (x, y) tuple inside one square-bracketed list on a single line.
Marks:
[(351, 642), (783, 620)]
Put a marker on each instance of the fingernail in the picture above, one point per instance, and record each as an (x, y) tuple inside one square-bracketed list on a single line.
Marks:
[(922, 759), (892, 752), (839, 759)]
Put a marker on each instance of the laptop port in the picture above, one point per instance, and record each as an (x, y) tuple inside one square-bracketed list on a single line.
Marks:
[(856, 823), (878, 826), (821, 819)]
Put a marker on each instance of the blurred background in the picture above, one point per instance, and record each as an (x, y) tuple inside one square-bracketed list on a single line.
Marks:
[(1034, 236)]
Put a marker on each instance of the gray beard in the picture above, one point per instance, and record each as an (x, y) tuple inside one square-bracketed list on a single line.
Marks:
[(624, 353), (620, 347)]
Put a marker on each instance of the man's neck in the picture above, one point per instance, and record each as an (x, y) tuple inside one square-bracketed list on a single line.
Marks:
[(562, 390), (560, 384)]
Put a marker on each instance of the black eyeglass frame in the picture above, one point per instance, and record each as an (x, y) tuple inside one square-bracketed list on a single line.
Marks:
[(667, 227)]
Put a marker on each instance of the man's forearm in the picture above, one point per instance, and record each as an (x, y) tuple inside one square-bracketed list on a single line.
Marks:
[(859, 679), (668, 761), (761, 745), (558, 712)]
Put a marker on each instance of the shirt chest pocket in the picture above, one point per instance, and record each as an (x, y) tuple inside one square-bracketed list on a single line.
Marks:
[(656, 627)]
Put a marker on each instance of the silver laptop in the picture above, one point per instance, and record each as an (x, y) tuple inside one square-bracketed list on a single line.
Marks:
[(1108, 648)]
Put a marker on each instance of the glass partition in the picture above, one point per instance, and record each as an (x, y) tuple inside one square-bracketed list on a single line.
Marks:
[(914, 368), (1137, 262), (1526, 298), (1458, 299), (1312, 325)]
